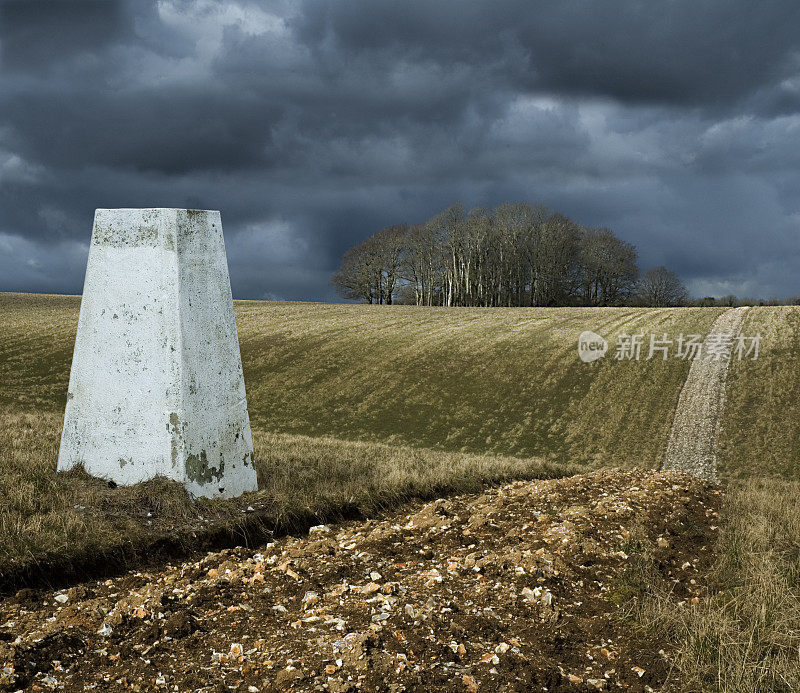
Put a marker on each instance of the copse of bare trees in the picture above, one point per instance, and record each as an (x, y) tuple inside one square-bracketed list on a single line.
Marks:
[(515, 255)]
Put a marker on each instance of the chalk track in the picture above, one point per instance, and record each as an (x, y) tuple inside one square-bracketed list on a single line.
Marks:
[(693, 438)]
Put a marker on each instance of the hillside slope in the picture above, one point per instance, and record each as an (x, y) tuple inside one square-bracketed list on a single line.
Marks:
[(501, 381), (504, 381), (759, 431)]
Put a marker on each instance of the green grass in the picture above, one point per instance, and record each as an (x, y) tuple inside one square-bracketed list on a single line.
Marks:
[(759, 432), (37, 335), (500, 381), (505, 381)]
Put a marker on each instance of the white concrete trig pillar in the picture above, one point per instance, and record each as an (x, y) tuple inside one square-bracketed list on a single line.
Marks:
[(156, 385)]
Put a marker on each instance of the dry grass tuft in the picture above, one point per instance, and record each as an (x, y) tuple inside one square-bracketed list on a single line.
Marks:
[(49, 518), (745, 638), (324, 474)]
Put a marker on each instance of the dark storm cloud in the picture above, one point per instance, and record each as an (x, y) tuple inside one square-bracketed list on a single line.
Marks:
[(312, 125), (172, 132), (683, 51), (37, 33)]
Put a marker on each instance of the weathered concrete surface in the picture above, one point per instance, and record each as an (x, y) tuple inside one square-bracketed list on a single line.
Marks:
[(692, 441), (156, 386)]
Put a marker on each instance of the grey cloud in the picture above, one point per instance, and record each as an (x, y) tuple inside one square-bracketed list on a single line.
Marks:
[(172, 131), (683, 52), (312, 125), (34, 35)]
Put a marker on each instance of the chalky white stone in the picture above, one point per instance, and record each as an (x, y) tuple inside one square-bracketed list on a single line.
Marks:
[(156, 385)]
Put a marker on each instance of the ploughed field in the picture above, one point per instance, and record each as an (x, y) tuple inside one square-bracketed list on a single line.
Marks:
[(524, 587)]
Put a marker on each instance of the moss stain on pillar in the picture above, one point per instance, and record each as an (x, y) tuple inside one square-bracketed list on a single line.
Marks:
[(200, 471)]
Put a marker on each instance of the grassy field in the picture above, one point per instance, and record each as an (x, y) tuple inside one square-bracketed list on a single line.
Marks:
[(355, 408), (759, 433), (351, 406), (500, 381), (506, 381)]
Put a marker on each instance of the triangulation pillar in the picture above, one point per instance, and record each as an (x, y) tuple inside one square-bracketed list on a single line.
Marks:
[(156, 386)]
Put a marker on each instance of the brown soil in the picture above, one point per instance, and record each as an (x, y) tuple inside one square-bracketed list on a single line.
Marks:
[(522, 588)]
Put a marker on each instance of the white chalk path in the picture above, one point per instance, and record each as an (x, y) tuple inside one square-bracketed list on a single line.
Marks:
[(693, 439)]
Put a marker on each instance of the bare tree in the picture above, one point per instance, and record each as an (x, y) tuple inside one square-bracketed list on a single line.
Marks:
[(422, 263), (371, 270), (608, 268), (388, 246), (520, 224), (555, 264), (661, 287), (355, 278), (450, 227)]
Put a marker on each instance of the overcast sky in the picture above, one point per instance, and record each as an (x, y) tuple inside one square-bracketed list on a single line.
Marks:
[(311, 125)]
